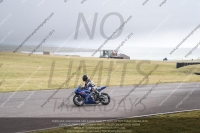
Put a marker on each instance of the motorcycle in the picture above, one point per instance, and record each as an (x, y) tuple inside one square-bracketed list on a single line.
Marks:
[(95, 98)]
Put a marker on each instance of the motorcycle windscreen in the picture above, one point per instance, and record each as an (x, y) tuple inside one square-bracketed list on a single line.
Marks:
[(78, 90)]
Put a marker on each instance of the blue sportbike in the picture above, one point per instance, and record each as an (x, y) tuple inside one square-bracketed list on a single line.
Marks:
[(85, 96)]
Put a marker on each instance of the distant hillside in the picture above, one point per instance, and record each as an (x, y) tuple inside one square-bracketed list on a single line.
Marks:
[(10, 48)]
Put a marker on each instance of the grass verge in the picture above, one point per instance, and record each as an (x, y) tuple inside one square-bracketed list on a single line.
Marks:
[(20, 72), (187, 122)]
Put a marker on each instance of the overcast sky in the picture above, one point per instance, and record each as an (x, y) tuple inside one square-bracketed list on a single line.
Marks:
[(152, 25)]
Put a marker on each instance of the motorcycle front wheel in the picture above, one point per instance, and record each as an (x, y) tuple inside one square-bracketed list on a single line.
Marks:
[(78, 100)]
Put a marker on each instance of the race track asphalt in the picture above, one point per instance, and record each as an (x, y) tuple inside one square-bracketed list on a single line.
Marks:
[(31, 110)]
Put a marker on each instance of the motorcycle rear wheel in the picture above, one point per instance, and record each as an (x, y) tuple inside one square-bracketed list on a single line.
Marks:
[(106, 98)]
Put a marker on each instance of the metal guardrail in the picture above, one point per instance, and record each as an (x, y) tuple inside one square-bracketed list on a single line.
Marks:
[(182, 64)]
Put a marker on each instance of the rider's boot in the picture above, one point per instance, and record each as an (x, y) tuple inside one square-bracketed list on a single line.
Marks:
[(98, 93)]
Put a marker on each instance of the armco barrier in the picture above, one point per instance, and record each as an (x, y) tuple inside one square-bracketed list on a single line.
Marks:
[(182, 64)]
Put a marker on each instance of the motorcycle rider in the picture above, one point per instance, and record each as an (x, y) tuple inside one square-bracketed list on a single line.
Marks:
[(90, 85)]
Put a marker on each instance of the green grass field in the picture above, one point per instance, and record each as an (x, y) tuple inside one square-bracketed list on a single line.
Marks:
[(20, 72), (187, 122)]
